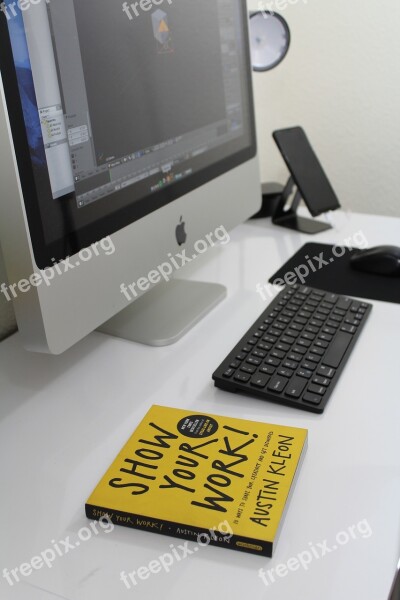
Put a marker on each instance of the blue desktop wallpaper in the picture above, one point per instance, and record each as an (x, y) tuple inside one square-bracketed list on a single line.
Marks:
[(26, 88)]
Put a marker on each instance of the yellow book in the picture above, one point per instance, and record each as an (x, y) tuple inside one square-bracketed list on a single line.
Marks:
[(201, 476)]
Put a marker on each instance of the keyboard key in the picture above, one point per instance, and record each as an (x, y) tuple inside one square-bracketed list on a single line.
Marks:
[(321, 344), (333, 324), (316, 389), (321, 381), (316, 323), (287, 340), (308, 336), (304, 314), (242, 377), (304, 289), (312, 399), (277, 383), (325, 337), (300, 321), (252, 342), (283, 347), (318, 351), (229, 372), (318, 293), (288, 313), (274, 332), (259, 354), (320, 316), (325, 371), (312, 329), (264, 346), (292, 333), (295, 387), (253, 361), (339, 313), (248, 369), (327, 305), (299, 349), (270, 339), (308, 308), (278, 354), (312, 303), (305, 373), (285, 320), (333, 298), (284, 372), (351, 321), (313, 358), (274, 362), (241, 356), (329, 330), (246, 349), (292, 307), (337, 349), (303, 342), (267, 370), (297, 302), (349, 328), (235, 364), (310, 366), (259, 381), (294, 356), (290, 364), (344, 303)]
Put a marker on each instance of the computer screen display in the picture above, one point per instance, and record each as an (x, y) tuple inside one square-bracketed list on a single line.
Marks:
[(117, 109)]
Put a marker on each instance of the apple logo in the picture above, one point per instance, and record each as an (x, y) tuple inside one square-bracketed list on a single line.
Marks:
[(180, 232)]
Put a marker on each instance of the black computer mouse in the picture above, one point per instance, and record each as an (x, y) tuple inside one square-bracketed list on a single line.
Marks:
[(382, 260)]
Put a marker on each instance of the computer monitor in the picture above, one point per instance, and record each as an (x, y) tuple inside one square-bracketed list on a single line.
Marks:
[(127, 139)]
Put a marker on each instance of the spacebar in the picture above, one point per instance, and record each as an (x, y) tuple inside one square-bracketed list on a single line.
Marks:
[(337, 349)]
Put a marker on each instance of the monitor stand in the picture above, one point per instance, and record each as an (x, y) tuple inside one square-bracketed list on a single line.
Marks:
[(166, 313), (290, 219)]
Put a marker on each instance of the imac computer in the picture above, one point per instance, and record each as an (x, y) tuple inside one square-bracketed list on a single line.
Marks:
[(127, 136)]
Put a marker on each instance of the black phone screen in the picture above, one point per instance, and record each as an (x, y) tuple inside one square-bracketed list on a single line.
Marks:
[(306, 170)]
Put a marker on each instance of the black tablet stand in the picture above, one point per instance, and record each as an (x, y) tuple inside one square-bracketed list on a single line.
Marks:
[(290, 219)]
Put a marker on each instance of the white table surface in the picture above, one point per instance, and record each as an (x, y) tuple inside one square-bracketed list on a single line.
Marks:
[(63, 419)]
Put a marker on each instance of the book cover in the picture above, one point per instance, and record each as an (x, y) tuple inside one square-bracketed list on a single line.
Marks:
[(185, 475)]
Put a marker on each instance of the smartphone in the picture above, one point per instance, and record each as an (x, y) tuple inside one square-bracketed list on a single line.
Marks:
[(306, 170)]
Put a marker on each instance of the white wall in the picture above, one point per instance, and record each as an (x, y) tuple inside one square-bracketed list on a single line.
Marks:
[(341, 82)]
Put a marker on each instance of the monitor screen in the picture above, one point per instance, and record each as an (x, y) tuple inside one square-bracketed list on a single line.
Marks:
[(119, 108)]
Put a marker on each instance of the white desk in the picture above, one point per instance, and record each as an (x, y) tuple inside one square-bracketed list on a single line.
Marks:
[(63, 420)]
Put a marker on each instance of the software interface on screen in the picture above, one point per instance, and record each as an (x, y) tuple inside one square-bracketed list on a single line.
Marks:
[(128, 102)]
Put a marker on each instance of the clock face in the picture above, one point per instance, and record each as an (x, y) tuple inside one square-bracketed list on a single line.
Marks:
[(269, 40)]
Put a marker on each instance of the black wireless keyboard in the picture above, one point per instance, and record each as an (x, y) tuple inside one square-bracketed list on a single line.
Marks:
[(295, 351)]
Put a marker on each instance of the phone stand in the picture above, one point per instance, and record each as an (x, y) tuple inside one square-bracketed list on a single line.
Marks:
[(290, 219)]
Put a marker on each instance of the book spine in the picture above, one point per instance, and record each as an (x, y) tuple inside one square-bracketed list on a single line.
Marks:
[(202, 536)]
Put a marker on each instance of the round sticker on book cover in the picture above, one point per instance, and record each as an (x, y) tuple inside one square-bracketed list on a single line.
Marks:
[(197, 426)]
